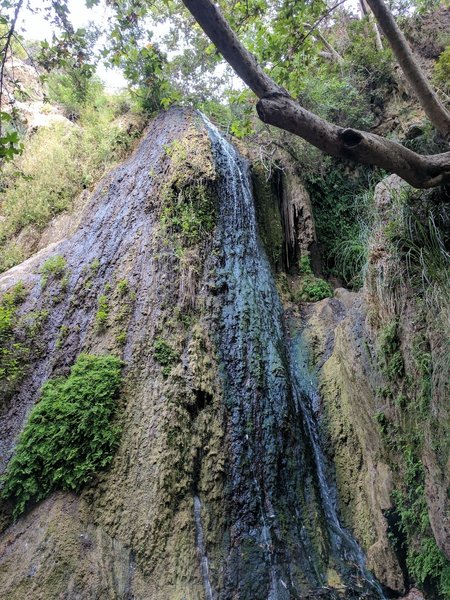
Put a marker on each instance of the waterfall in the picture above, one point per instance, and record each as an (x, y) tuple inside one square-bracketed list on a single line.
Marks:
[(284, 532)]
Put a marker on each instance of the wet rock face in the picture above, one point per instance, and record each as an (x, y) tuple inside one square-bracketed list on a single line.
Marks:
[(383, 392), (219, 488), (121, 291), (335, 331)]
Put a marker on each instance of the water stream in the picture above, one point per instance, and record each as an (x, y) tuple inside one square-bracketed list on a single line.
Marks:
[(284, 532)]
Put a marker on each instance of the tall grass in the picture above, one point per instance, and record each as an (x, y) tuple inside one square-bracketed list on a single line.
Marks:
[(58, 163), (351, 253)]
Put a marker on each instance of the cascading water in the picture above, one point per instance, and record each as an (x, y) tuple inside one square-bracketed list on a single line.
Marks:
[(284, 533)]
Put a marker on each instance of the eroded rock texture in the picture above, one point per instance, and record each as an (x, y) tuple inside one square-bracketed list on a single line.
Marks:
[(224, 486)]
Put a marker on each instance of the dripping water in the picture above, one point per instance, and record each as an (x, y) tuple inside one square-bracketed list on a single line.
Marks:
[(266, 402), (201, 549)]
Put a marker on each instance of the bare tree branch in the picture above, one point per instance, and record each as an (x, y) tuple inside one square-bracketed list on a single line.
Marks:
[(276, 107), (365, 12)]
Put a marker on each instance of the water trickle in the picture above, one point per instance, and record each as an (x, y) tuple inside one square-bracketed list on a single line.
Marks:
[(200, 543), (284, 533)]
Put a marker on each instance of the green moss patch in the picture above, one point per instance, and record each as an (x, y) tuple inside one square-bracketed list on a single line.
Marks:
[(189, 202), (18, 338), (70, 434), (165, 355)]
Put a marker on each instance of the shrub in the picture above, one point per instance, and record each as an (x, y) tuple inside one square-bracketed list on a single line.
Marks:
[(314, 289), (425, 561), (344, 215), (304, 265), (54, 267), (70, 434)]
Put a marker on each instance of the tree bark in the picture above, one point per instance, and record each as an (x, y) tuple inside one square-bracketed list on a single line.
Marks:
[(277, 108), (365, 12), (335, 56), (431, 104)]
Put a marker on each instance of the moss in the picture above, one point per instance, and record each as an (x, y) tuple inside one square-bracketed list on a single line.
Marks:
[(425, 561), (389, 351), (69, 435), (268, 216), (189, 204), (54, 268), (19, 338), (13, 354), (165, 355), (95, 265), (62, 336)]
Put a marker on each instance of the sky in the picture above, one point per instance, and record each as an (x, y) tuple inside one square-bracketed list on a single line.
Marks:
[(35, 27)]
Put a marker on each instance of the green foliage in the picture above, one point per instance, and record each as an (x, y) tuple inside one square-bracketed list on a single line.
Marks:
[(10, 144), (66, 90), (64, 331), (19, 341), (53, 268), (121, 337), (190, 213), (102, 314), (165, 355), (374, 67), (382, 421), (189, 209), (12, 353), (426, 563), (430, 563), (310, 288), (442, 69), (344, 216), (123, 288), (59, 162), (335, 96), (315, 289), (304, 265), (70, 434), (389, 351), (422, 240), (143, 64)]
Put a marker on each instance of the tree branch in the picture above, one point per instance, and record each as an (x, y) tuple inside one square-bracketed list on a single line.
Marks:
[(276, 107)]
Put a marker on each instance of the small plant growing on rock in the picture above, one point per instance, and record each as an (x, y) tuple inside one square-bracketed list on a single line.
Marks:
[(53, 268), (101, 316), (123, 288), (121, 337), (165, 355), (389, 351), (70, 434), (311, 288), (304, 265)]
